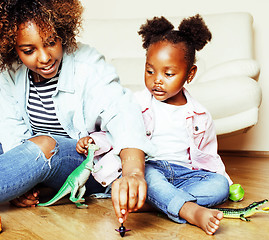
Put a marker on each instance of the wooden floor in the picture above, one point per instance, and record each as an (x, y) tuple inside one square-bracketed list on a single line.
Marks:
[(65, 222)]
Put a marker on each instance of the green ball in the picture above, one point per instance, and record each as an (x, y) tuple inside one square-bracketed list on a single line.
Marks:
[(236, 192)]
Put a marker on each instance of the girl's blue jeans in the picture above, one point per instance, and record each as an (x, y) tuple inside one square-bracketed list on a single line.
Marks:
[(171, 185), (25, 166)]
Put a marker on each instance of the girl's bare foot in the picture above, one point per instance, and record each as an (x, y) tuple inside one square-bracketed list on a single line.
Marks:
[(207, 219)]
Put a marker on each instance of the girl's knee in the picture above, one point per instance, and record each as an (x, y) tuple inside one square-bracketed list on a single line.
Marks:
[(45, 143), (223, 182), (221, 187)]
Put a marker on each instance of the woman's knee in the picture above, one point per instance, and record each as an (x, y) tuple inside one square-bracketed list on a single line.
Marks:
[(45, 143)]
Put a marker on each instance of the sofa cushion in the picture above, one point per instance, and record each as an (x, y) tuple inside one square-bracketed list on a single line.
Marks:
[(238, 67), (232, 94), (130, 71)]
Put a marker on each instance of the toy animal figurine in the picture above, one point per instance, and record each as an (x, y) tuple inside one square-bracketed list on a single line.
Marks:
[(122, 230), (243, 213), (76, 181)]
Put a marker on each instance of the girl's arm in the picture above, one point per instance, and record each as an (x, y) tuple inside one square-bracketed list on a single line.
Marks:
[(209, 146), (129, 192)]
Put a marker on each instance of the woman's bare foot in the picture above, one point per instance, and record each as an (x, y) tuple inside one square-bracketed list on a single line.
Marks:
[(207, 219)]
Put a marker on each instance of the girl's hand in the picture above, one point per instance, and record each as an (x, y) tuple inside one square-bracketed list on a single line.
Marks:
[(29, 199), (129, 192), (128, 195), (82, 145)]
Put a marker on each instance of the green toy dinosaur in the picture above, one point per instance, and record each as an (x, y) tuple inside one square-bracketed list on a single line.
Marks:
[(243, 213), (76, 181)]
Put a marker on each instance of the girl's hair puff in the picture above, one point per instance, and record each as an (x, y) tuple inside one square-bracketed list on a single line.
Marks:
[(154, 30), (62, 18), (192, 31)]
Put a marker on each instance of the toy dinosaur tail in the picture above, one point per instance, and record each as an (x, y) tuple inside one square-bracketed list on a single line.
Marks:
[(60, 194)]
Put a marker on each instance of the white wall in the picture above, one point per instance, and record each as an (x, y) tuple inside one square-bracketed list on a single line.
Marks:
[(257, 138)]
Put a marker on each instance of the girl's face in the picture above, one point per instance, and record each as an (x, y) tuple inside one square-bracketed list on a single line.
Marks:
[(166, 72), (42, 53)]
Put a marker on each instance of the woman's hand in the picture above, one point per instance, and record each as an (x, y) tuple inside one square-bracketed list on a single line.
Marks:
[(129, 192), (29, 199)]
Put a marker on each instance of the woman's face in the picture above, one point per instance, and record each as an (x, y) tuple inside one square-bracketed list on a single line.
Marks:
[(40, 52)]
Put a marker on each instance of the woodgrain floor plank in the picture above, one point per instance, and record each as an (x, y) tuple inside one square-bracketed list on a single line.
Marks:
[(63, 221)]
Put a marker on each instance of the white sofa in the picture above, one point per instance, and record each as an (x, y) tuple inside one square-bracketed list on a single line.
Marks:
[(225, 82)]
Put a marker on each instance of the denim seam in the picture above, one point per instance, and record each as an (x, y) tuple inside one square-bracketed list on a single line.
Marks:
[(157, 204), (162, 164), (201, 176)]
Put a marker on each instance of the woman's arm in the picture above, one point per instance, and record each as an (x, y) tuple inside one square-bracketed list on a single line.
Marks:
[(129, 192), (12, 123)]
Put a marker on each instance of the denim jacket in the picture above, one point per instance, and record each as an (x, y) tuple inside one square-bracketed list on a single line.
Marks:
[(88, 98), (200, 128)]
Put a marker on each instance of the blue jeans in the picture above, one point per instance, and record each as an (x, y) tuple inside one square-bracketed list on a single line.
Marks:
[(171, 185), (25, 166), (1, 149)]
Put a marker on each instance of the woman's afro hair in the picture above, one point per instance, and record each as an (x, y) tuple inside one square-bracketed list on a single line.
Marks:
[(62, 18), (192, 31)]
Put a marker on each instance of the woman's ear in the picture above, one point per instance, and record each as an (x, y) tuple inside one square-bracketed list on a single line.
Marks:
[(192, 73)]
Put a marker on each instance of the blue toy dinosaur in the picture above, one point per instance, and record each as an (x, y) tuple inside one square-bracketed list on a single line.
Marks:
[(75, 183)]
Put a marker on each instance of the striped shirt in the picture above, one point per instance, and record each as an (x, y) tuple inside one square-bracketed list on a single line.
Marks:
[(40, 107)]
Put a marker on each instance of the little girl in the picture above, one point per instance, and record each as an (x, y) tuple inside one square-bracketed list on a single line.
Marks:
[(186, 174)]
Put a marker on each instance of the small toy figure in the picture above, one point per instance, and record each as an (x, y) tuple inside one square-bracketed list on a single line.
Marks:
[(76, 181), (243, 213), (122, 230)]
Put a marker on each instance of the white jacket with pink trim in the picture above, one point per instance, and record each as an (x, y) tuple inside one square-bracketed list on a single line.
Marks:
[(201, 130)]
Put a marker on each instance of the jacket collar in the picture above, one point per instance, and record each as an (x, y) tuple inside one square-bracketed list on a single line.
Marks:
[(66, 77), (194, 106)]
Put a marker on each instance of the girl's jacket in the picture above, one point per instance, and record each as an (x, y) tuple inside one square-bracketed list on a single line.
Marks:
[(203, 141)]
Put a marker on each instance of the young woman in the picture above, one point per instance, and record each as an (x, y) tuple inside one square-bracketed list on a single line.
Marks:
[(53, 91)]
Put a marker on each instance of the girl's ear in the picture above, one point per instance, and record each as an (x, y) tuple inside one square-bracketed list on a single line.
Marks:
[(192, 73)]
